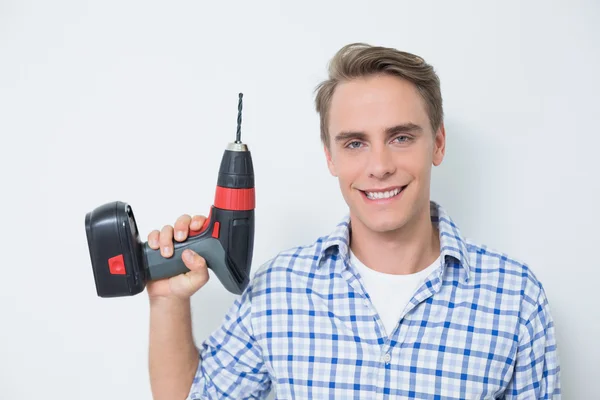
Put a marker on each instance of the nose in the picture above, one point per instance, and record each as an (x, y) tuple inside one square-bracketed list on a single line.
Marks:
[(381, 162)]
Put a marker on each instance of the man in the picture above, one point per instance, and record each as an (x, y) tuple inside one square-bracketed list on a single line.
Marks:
[(393, 303)]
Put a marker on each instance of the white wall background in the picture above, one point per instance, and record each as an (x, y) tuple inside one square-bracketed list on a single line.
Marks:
[(135, 101)]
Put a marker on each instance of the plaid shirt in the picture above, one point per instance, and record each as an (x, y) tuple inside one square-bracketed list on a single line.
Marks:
[(478, 328)]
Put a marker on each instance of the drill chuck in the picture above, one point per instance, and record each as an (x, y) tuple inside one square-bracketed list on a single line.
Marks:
[(236, 170)]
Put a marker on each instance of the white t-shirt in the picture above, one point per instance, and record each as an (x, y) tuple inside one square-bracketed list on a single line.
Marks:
[(390, 293)]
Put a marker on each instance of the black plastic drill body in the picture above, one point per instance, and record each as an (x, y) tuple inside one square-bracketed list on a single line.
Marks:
[(229, 255)]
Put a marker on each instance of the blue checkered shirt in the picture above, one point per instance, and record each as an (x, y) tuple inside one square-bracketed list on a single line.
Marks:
[(478, 328)]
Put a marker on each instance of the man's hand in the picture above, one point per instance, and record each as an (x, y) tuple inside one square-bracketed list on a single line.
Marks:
[(182, 286)]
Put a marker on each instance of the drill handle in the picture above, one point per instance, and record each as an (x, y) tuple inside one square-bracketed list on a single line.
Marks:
[(159, 267), (225, 241)]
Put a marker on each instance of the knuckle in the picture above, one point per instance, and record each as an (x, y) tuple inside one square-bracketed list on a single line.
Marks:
[(184, 217), (197, 221), (181, 224), (166, 232), (181, 228), (153, 239), (166, 236)]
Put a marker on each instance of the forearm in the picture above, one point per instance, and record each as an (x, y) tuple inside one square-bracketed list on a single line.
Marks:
[(173, 357)]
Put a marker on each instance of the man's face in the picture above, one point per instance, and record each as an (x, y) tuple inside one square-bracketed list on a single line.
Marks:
[(381, 149)]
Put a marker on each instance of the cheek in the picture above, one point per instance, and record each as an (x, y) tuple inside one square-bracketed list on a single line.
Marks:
[(417, 163), (349, 169)]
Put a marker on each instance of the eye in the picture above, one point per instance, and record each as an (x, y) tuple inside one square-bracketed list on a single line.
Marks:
[(353, 144), (402, 138)]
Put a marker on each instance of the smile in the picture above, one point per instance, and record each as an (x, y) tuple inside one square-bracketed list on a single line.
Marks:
[(384, 194)]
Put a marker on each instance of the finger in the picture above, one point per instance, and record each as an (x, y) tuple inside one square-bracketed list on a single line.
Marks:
[(193, 261), (166, 241), (197, 222), (187, 284), (153, 239), (197, 279), (182, 227), (198, 274)]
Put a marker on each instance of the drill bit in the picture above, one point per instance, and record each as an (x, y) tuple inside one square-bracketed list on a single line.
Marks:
[(238, 136)]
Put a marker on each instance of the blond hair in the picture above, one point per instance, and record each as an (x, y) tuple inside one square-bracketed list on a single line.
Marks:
[(358, 60)]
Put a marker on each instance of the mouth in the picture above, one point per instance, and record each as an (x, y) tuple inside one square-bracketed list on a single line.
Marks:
[(383, 194)]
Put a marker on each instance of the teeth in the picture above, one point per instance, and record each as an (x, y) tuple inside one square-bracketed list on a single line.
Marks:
[(382, 195)]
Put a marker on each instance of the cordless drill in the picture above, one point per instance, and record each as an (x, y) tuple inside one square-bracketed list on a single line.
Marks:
[(122, 264)]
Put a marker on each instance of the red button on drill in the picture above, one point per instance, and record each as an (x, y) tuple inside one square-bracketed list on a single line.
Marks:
[(116, 265)]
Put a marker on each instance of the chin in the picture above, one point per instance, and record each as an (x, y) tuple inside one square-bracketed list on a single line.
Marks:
[(384, 225), (381, 221), (383, 215)]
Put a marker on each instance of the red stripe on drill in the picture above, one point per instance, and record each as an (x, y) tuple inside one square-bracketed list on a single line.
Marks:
[(235, 199), (228, 199)]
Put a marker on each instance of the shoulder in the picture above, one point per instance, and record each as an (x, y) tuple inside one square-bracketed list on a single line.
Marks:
[(505, 274), (289, 268), (294, 268), (487, 268)]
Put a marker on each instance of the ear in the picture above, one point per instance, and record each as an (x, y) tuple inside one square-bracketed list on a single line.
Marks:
[(439, 145), (330, 163)]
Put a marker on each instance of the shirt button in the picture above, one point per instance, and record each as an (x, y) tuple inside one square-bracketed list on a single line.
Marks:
[(386, 359)]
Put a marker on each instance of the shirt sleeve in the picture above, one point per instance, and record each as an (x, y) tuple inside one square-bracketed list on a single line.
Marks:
[(231, 363), (537, 369)]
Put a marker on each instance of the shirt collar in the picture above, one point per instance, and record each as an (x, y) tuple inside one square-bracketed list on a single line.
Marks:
[(452, 243)]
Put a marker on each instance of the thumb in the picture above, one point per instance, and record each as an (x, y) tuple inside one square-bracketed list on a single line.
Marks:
[(185, 285), (198, 274), (193, 261), (196, 279)]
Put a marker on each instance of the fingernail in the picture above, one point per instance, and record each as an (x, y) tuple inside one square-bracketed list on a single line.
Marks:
[(166, 250), (188, 255), (179, 235)]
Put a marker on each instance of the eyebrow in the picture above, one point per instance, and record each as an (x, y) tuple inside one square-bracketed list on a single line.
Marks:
[(394, 130)]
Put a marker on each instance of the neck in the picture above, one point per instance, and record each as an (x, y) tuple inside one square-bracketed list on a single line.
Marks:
[(407, 250)]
